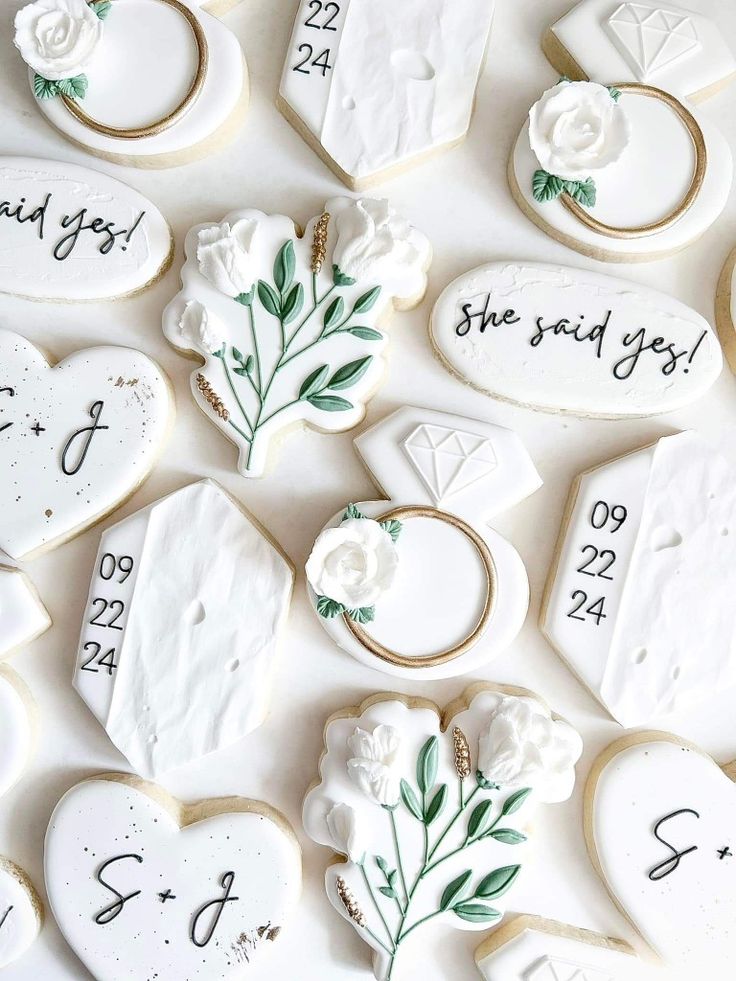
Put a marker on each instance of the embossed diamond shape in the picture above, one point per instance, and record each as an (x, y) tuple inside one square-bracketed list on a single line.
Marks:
[(552, 969), (449, 460), (652, 38)]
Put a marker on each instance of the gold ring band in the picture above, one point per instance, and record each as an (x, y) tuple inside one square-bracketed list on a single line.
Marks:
[(701, 161), (153, 129), (432, 660)]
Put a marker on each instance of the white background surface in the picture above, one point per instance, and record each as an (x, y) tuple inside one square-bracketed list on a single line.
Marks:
[(461, 201)]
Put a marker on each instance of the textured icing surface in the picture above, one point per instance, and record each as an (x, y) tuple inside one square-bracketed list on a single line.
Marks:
[(179, 636), (16, 734), (22, 615), (19, 922)]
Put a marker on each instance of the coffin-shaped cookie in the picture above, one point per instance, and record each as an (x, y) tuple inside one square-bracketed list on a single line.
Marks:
[(567, 340), (69, 233)]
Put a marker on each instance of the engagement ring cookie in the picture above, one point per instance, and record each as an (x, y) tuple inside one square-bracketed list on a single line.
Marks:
[(76, 439), (431, 809), (418, 585), (21, 911), (375, 88), (642, 578), (143, 886), (622, 172), (217, 588), (147, 83), (290, 329), (23, 617), (17, 731)]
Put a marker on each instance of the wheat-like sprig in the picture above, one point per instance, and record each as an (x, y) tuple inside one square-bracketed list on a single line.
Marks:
[(211, 396), (350, 902), (319, 242), (462, 753)]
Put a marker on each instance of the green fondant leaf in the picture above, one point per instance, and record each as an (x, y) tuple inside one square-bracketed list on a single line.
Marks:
[(242, 372), (479, 818), (330, 403), (73, 88), (245, 298), (584, 192), (351, 511), (507, 836), (340, 279), (514, 802), (388, 891), (382, 864), (436, 805), (349, 374), (362, 614), (546, 187), (456, 888), (366, 333), (283, 267), (44, 88), (238, 356), (333, 312), (615, 93), (497, 882), (314, 382), (367, 300), (392, 877), (293, 303), (329, 609), (269, 298), (477, 913), (249, 362), (427, 764), (410, 800), (393, 527), (102, 8)]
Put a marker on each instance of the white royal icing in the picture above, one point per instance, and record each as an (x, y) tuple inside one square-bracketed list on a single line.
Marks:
[(181, 628), (16, 731), (323, 364), (467, 468), (659, 44), (20, 912), (205, 901), (75, 439), (398, 80), (394, 755), (142, 69), (23, 617), (685, 907), (563, 339), (653, 533), (58, 38), (69, 233)]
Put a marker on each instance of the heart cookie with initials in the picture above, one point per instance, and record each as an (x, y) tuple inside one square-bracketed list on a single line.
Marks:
[(659, 821), (76, 439), (143, 886)]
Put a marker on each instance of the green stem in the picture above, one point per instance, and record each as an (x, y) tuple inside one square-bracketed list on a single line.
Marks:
[(283, 408), (452, 822), (379, 942), (318, 302), (239, 430), (256, 353), (392, 818), (466, 843), (314, 289), (424, 919), (462, 794), (377, 907), (235, 394)]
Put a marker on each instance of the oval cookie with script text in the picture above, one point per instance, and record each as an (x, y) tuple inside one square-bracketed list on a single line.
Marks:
[(566, 340)]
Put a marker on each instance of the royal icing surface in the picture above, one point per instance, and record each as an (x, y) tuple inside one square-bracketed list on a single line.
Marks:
[(16, 732), (382, 84), (69, 233), (288, 327), (142, 69), (20, 911), (660, 823), (171, 643), (565, 339), (136, 896), (659, 44), (75, 439), (23, 617), (433, 822), (643, 580), (466, 468)]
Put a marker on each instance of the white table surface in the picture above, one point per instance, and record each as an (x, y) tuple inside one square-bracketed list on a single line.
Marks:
[(461, 201)]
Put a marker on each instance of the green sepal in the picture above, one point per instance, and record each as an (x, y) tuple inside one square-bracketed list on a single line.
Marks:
[(507, 836), (293, 303), (484, 783), (351, 511), (333, 312), (479, 818), (245, 299), (614, 93), (44, 88), (514, 802), (284, 266), (366, 333), (564, 78), (73, 88), (362, 614), (388, 891), (349, 374), (410, 800), (367, 300), (456, 888), (269, 298), (221, 353), (393, 528), (328, 608), (546, 187), (496, 883), (427, 764), (330, 403), (340, 279), (476, 913), (436, 805), (314, 382), (102, 8)]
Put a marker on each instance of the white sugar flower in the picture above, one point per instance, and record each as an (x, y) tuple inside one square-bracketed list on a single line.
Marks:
[(346, 831), (200, 329), (577, 128), (353, 564), (374, 765), (373, 239), (224, 254), (57, 38)]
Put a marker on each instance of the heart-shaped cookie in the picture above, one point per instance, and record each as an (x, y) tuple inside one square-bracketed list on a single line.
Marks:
[(143, 886), (76, 439), (660, 820)]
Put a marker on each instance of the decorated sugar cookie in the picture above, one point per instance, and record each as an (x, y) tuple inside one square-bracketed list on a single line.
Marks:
[(17, 731), (622, 172), (530, 948), (679, 50), (642, 578), (21, 911), (143, 886), (376, 88), (174, 98), (69, 233), (431, 809), (419, 585), (289, 329), (726, 309), (201, 569), (659, 820), (76, 439), (569, 340), (23, 617)]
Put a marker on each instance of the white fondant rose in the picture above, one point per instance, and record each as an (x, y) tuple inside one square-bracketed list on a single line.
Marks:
[(343, 825), (577, 128), (373, 239), (522, 746), (353, 564), (200, 329), (224, 255), (57, 38), (374, 766)]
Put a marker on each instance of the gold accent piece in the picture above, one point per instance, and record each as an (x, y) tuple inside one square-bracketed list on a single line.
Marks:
[(701, 163), (211, 396), (350, 902), (153, 129), (462, 753), (432, 660), (319, 242)]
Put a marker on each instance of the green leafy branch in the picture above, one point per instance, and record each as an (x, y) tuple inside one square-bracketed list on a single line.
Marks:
[(548, 187), (72, 88)]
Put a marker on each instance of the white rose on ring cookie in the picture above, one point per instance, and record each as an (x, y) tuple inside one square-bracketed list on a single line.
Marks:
[(58, 38), (224, 256), (371, 237)]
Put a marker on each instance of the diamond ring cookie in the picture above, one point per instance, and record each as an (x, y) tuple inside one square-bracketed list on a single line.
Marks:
[(21, 912), (290, 328), (375, 88), (432, 809), (419, 585)]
